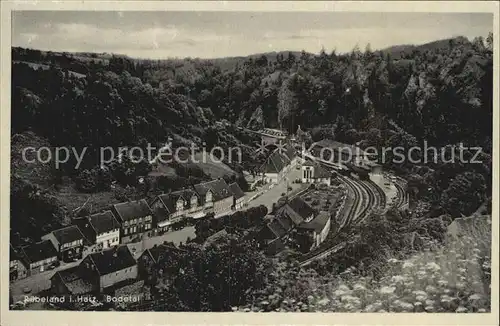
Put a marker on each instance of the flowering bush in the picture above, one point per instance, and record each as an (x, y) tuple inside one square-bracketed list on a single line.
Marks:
[(451, 278)]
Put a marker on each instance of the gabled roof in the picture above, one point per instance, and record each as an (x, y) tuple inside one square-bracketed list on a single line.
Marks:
[(275, 163), (276, 228), (308, 163), (285, 221), (159, 252), (39, 251), (219, 188), (236, 190), (202, 188), (318, 223), (265, 233), (113, 260), (290, 213), (132, 209), (73, 282), (68, 234), (170, 200), (299, 206), (103, 222), (160, 213)]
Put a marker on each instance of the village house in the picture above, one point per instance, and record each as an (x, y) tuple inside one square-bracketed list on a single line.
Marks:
[(217, 192), (295, 214), (313, 172), (17, 268), (102, 230), (275, 167), (156, 261), (109, 267), (68, 242), (276, 227), (39, 256), (173, 207), (272, 235), (318, 228), (69, 281), (98, 272), (297, 210), (238, 195), (135, 218)]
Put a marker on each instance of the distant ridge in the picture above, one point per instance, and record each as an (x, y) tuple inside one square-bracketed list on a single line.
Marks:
[(397, 51)]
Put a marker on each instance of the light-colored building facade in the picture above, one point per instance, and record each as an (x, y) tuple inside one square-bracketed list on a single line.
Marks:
[(318, 228), (276, 166), (109, 267), (219, 195), (135, 218), (315, 173), (102, 230)]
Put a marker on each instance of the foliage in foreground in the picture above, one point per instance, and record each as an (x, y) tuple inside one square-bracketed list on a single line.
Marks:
[(454, 277)]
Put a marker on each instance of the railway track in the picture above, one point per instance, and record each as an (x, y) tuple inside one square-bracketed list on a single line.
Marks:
[(367, 196), (381, 199), (402, 195)]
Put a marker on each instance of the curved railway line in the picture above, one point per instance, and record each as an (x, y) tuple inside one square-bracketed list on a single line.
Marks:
[(402, 196), (366, 196)]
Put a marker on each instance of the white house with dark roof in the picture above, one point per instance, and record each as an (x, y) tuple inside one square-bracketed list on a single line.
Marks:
[(313, 172), (275, 167), (68, 242), (318, 228), (217, 192), (135, 218), (108, 268), (173, 207), (101, 229), (208, 197)]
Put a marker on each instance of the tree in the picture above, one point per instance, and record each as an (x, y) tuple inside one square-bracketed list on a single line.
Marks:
[(229, 265), (489, 41), (287, 103), (464, 195)]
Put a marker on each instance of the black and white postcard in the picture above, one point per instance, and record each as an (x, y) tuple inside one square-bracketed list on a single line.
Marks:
[(280, 162)]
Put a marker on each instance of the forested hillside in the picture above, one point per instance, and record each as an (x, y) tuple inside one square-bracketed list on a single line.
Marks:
[(439, 92)]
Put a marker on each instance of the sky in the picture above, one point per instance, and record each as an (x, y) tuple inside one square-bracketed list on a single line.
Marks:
[(212, 34)]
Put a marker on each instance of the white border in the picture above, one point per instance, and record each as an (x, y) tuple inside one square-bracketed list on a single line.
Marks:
[(9, 318)]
